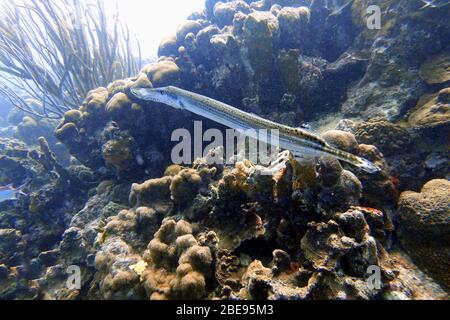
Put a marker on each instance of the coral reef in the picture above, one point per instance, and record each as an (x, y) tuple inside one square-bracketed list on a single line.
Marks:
[(436, 69), (138, 226), (431, 111), (424, 227), (32, 226), (228, 239), (38, 60), (176, 255)]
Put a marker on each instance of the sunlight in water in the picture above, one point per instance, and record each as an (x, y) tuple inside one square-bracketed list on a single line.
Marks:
[(152, 20)]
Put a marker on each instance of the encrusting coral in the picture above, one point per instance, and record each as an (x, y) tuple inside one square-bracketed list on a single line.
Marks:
[(436, 69), (432, 111)]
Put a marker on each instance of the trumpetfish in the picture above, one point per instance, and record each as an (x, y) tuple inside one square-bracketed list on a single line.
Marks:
[(10, 193), (300, 142)]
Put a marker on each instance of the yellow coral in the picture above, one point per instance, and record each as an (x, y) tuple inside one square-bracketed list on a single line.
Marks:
[(163, 73), (139, 267), (73, 116), (173, 170), (96, 100), (118, 102)]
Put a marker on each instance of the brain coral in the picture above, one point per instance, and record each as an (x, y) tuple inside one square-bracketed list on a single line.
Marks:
[(179, 264), (154, 193), (185, 186), (386, 136), (424, 221)]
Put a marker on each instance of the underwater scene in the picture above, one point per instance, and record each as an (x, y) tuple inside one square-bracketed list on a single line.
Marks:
[(224, 150)]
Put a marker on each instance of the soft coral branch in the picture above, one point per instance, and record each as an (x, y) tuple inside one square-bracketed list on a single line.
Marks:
[(56, 51)]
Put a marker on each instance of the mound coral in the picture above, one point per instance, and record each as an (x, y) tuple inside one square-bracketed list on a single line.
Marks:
[(436, 69), (433, 111), (225, 12), (162, 73), (424, 227), (178, 261), (154, 193)]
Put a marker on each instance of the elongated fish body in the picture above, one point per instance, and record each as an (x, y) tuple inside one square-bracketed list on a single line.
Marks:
[(8, 194), (434, 4), (301, 143)]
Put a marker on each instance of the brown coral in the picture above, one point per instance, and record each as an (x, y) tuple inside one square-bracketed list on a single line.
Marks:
[(424, 227), (432, 111), (436, 69), (185, 186), (342, 140), (163, 73), (119, 154), (389, 138), (261, 32), (96, 100), (179, 263), (154, 193)]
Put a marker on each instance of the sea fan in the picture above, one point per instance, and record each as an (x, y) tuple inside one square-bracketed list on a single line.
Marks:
[(56, 51)]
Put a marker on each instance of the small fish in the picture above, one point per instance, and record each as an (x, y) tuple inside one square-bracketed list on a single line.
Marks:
[(300, 142), (434, 4), (337, 10), (10, 193)]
